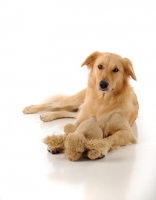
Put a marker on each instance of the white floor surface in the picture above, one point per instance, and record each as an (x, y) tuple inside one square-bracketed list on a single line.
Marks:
[(42, 45)]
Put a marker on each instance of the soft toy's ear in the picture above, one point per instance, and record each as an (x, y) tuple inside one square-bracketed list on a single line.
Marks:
[(69, 128), (91, 59), (129, 68), (93, 117)]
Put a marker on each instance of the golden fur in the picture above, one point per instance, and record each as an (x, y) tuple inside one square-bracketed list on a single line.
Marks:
[(115, 106)]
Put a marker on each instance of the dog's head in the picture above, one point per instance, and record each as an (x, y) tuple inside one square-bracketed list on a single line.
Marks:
[(108, 71)]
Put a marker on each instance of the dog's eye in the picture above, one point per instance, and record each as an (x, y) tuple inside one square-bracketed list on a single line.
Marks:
[(115, 70), (100, 66)]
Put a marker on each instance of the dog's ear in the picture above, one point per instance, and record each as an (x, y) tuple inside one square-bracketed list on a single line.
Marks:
[(129, 68), (91, 59)]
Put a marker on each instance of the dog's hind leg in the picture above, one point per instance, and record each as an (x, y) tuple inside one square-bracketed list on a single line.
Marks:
[(43, 106), (57, 103)]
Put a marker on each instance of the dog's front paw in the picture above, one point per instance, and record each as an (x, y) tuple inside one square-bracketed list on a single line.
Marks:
[(30, 109), (47, 117), (97, 148), (94, 154), (69, 128)]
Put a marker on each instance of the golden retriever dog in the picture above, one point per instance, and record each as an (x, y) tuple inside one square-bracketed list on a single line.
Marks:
[(108, 95)]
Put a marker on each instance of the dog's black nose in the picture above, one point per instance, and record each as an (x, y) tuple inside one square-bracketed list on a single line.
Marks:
[(103, 85)]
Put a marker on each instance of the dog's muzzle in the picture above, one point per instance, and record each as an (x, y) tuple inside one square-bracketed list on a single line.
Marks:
[(103, 85)]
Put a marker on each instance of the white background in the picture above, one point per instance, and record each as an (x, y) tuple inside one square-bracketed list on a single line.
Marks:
[(42, 46)]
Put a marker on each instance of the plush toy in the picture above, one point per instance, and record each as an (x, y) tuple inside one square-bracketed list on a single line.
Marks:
[(88, 136)]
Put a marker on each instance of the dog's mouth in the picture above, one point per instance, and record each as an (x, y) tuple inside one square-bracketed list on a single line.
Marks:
[(104, 90)]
